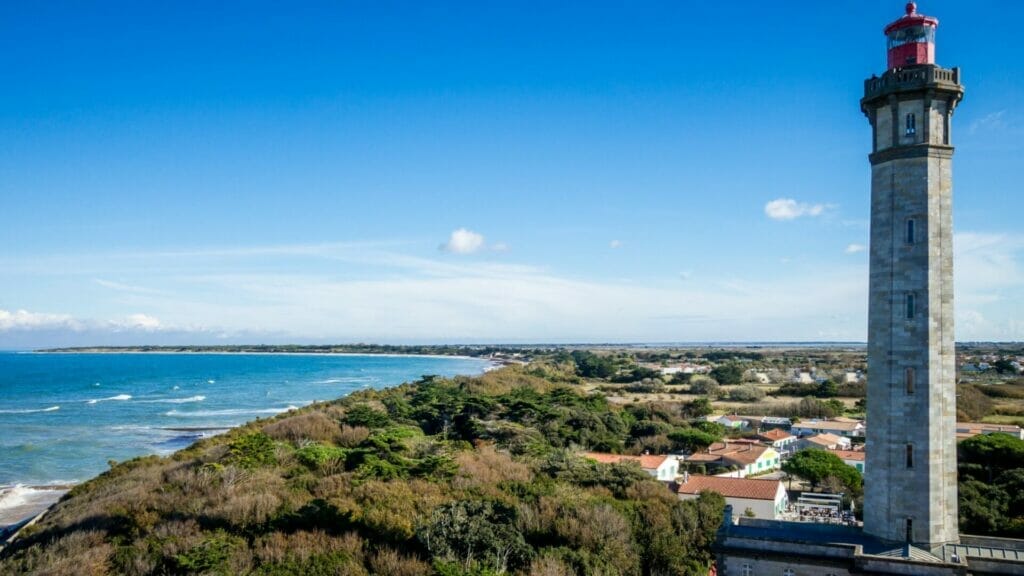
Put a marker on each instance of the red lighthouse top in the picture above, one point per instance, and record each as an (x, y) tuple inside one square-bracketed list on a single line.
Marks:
[(911, 39)]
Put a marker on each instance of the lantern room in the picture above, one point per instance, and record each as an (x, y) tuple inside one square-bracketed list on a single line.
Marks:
[(911, 39)]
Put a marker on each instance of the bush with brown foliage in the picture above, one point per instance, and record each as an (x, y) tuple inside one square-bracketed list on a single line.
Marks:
[(312, 426)]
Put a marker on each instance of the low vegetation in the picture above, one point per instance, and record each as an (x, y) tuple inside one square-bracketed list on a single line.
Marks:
[(451, 477)]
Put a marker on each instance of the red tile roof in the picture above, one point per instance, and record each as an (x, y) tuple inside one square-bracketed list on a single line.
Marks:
[(825, 439), (731, 487), (775, 435), (703, 457), (647, 461), (849, 454), (745, 457)]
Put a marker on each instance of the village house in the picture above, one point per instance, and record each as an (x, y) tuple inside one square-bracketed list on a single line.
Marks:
[(769, 422), (852, 458), (747, 457), (735, 422), (760, 423), (965, 430), (840, 427), (765, 499), (824, 442), (782, 441), (664, 468)]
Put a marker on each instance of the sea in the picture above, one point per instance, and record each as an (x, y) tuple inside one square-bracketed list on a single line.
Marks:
[(63, 417)]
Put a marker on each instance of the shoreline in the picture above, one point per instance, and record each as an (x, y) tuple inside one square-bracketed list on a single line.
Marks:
[(200, 432), (21, 504)]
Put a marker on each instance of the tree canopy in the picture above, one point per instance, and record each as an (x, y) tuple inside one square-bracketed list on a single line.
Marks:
[(818, 466)]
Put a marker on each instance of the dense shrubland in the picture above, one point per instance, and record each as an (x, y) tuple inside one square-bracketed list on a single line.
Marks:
[(991, 484), (468, 476)]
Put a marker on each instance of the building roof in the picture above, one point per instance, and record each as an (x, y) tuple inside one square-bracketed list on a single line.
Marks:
[(824, 439), (647, 461), (830, 425), (775, 435), (849, 454), (730, 487), (746, 456), (703, 457), (733, 418)]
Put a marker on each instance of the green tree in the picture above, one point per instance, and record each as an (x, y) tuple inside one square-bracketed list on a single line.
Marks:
[(252, 451), (728, 374), (698, 408), (692, 439), (746, 393), (590, 365), (704, 385), (986, 456), (475, 534), (827, 389), (983, 507), (816, 466)]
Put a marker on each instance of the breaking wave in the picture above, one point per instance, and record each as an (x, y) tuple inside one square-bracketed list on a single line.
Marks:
[(198, 398), (119, 397), (29, 411), (229, 412)]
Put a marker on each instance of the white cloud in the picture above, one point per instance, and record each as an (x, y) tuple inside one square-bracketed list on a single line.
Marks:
[(140, 322), (463, 241), (789, 209), (25, 320), (855, 248), (989, 123), (615, 244)]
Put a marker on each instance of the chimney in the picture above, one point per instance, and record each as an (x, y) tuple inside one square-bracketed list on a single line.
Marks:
[(686, 476)]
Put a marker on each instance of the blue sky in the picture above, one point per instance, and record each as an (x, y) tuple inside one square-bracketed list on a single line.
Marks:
[(475, 172)]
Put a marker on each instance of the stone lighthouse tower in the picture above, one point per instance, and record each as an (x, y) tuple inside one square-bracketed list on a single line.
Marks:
[(910, 483)]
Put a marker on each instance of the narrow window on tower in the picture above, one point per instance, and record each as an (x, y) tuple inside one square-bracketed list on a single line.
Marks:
[(910, 530), (910, 231), (910, 380), (910, 455), (911, 306), (911, 124)]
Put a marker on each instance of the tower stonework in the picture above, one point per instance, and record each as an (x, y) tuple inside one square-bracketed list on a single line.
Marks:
[(910, 460)]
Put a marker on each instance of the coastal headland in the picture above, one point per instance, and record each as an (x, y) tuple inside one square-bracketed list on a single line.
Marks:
[(472, 475)]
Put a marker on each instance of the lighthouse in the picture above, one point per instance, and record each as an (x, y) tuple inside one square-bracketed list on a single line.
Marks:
[(910, 463), (910, 492)]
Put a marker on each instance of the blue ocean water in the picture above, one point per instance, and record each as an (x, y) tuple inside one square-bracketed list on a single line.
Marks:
[(63, 416)]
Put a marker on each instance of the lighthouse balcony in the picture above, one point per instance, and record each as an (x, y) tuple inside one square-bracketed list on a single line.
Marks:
[(912, 78)]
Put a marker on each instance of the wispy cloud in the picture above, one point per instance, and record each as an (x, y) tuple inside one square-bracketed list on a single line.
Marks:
[(855, 248), (121, 287), (790, 209), (349, 293), (989, 123), (615, 244)]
